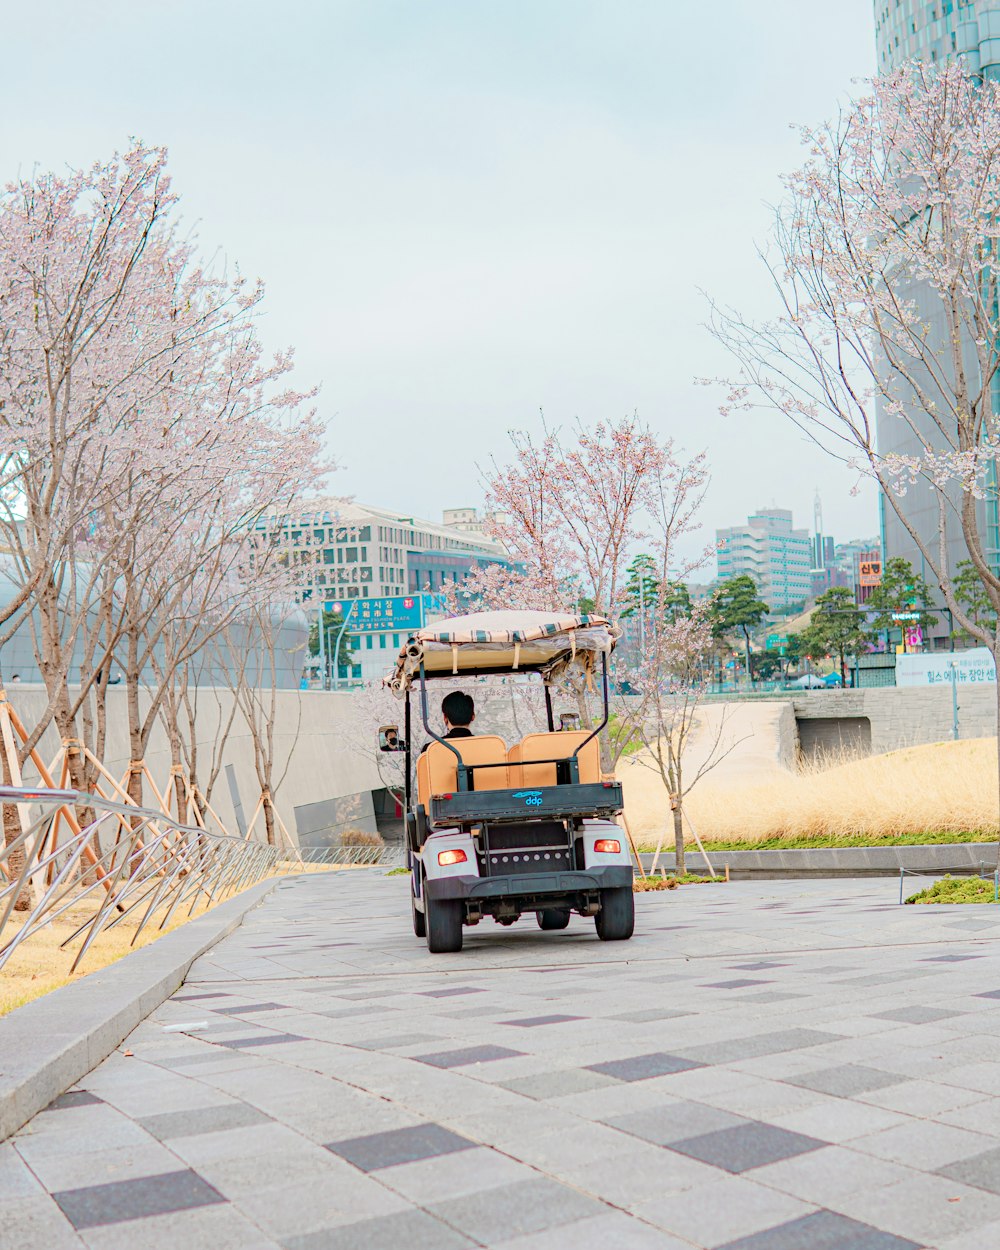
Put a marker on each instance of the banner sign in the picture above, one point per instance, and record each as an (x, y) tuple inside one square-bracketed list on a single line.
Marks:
[(973, 667), (870, 572)]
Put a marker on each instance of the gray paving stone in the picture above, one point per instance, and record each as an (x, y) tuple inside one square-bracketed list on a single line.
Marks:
[(744, 1146), (644, 1067), (675, 1122), (758, 1045), (262, 1039), (401, 1145), (822, 1231), (981, 1171), (532, 1022), (210, 1119), (560, 1083), (36, 1224), (847, 1080), (917, 1014), (73, 1098), (117, 1201), (395, 1042), (407, 1230), (512, 1210), (650, 1014)]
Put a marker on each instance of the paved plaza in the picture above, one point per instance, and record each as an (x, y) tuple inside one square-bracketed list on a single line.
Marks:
[(765, 1066)]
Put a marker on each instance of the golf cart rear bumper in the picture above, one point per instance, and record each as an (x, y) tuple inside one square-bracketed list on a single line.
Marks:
[(530, 884)]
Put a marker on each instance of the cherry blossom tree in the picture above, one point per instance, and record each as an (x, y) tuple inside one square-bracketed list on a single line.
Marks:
[(886, 247)]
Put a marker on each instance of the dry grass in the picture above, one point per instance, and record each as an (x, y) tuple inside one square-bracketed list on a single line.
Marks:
[(946, 787), (39, 965)]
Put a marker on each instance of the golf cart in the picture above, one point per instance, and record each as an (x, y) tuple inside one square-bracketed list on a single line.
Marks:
[(498, 831)]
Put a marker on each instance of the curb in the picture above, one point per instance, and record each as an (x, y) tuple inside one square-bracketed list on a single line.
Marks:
[(847, 861), (49, 1044)]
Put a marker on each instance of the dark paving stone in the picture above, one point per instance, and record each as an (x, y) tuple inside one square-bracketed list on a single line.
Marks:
[(450, 993), (200, 1120), (405, 1230), (847, 1080), (823, 1230), (746, 1146), (643, 1067), (399, 1145), (117, 1201), (497, 1215), (736, 984), (245, 1011), (470, 1054), (918, 1014), (949, 959), (265, 1039), (194, 998), (981, 1171), (758, 1046), (988, 994), (73, 1098), (532, 1022)]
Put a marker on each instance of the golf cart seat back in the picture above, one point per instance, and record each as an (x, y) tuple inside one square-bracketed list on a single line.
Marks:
[(437, 768), (552, 746)]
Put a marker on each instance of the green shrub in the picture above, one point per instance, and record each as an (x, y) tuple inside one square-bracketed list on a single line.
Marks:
[(956, 890)]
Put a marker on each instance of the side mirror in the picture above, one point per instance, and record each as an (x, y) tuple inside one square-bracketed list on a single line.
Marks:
[(389, 739), (569, 721)]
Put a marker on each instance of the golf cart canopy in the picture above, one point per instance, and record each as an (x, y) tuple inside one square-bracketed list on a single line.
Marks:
[(485, 643)]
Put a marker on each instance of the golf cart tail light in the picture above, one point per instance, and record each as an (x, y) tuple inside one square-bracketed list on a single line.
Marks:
[(451, 857), (610, 846), (607, 784)]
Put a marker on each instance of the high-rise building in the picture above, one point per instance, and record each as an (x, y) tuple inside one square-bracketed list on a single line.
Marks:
[(932, 31), (775, 554)]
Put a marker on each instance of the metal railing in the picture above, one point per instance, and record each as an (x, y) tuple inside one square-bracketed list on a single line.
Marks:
[(114, 861), (387, 855)]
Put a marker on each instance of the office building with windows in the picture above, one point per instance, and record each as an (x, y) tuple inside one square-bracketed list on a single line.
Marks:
[(343, 551), (776, 555), (933, 31)]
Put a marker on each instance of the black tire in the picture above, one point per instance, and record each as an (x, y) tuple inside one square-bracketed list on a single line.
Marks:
[(443, 920), (552, 918), (419, 920), (616, 920)]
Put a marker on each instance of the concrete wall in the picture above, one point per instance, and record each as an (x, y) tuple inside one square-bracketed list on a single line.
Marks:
[(321, 746), (906, 716)]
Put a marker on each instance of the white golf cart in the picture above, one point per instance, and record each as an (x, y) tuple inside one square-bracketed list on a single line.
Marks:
[(498, 830)]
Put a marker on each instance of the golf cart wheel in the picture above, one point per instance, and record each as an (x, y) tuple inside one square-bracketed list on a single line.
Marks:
[(443, 922), (616, 919), (552, 918), (419, 919)]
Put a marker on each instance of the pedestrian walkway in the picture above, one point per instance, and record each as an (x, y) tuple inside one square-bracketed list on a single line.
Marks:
[(765, 1066)]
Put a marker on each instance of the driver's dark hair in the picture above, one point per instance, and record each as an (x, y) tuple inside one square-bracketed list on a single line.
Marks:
[(458, 708)]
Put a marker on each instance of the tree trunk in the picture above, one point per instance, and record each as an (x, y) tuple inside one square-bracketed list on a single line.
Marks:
[(678, 815), (269, 825)]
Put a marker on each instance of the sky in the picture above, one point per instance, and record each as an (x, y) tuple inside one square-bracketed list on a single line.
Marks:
[(468, 212)]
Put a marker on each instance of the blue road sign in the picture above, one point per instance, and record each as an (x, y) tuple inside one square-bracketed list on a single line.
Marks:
[(397, 614)]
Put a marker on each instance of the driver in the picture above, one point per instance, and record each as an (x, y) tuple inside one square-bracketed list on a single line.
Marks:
[(458, 711)]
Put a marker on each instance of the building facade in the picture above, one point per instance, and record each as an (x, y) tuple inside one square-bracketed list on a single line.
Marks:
[(932, 31), (343, 551), (776, 555)]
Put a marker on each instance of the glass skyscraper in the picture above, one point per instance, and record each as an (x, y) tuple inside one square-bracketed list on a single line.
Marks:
[(934, 31)]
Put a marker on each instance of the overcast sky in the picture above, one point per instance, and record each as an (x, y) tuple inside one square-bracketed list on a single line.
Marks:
[(469, 210)]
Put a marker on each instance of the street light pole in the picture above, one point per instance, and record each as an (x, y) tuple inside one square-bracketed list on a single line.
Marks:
[(336, 652)]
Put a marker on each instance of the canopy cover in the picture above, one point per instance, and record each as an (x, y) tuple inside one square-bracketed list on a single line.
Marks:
[(497, 642)]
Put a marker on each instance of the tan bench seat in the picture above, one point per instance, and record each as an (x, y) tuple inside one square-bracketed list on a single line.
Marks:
[(437, 768), (521, 757)]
